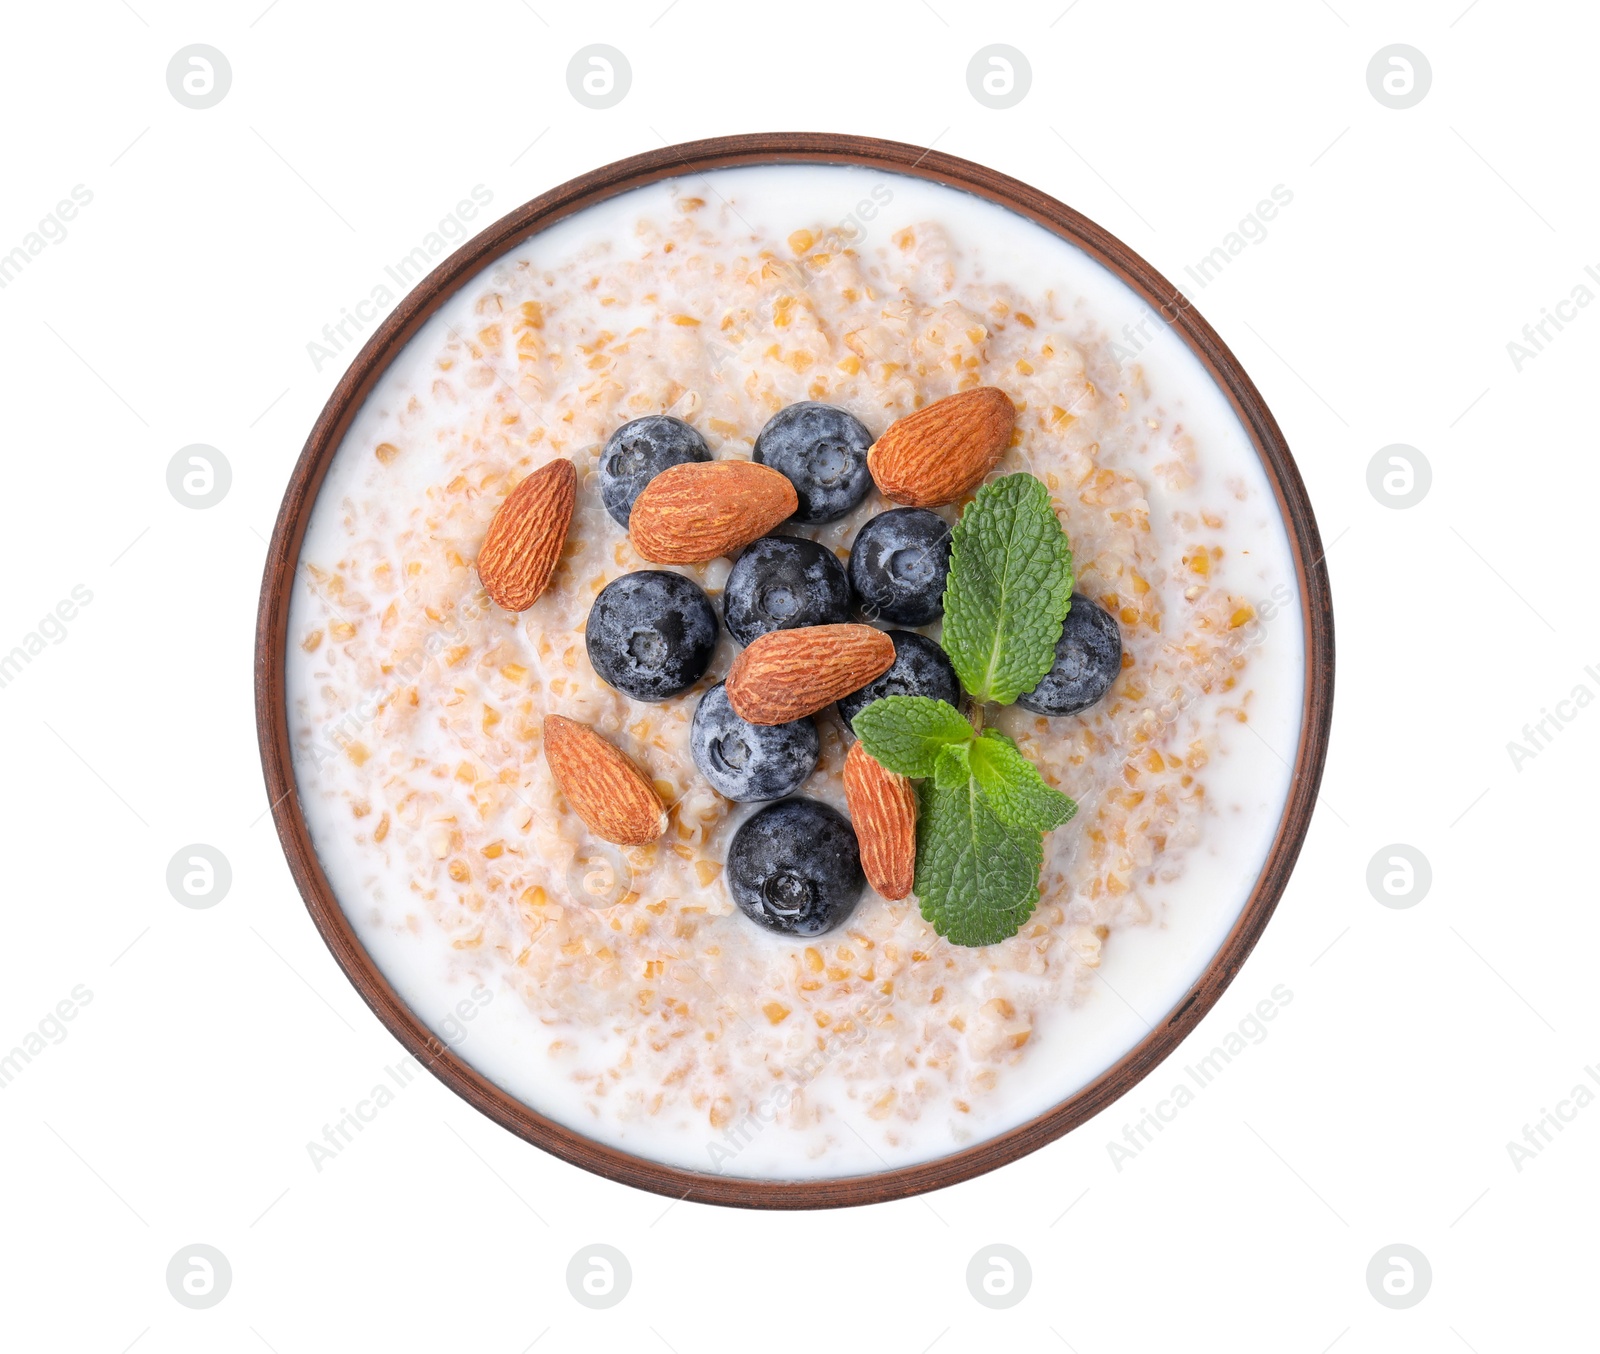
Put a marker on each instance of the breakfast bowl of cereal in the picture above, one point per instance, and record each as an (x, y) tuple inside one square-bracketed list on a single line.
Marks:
[(793, 670)]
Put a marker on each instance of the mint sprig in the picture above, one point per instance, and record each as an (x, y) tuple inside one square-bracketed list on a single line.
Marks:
[(983, 807), (1008, 591), (1014, 788), (907, 733), (977, 879), (921, 738)]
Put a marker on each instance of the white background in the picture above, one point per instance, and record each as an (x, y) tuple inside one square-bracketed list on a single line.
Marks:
[(1377, 310)]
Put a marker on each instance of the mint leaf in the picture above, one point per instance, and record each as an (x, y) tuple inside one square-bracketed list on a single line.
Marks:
[(1017, 793), (951, 767), (907, 733), (1009, 588), (977, 879)]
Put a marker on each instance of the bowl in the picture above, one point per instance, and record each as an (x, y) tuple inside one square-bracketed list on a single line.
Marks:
[(694, 158)]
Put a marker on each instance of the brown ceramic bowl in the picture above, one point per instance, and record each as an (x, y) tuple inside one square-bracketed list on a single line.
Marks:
[(691, 158)]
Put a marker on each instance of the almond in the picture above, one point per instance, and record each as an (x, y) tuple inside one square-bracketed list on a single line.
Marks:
[(789, 674), (939, 453), (695, 512), (883, 811), (525, 538), (603, 784)]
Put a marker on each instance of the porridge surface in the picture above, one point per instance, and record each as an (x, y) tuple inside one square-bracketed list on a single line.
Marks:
[(631, 1000)]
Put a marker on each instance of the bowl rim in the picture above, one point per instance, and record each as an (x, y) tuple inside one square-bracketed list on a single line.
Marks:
[(686, 160)]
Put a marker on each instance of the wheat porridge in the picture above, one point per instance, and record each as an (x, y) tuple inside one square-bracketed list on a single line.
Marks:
[(439, 736)]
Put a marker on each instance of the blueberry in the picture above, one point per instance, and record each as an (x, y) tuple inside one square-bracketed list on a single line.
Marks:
[(750, 761), (823, 452), (920, 668), (639, 451), (898, 566), (782, 582), (651, 634), (1088, 659), (794, 867)]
